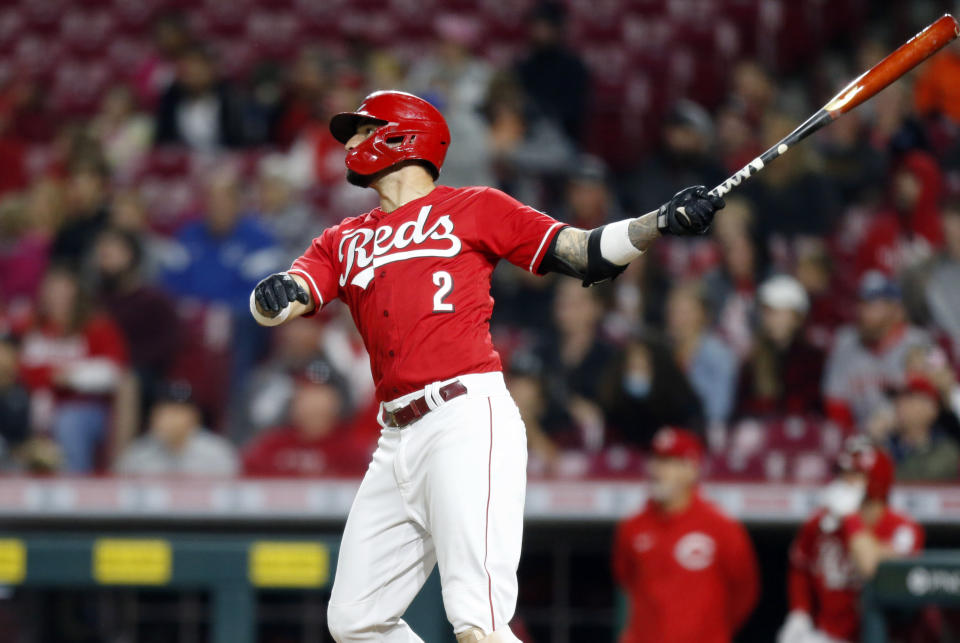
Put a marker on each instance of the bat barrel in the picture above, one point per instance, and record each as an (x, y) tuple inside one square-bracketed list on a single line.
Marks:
[(903, 59), (906, 57)]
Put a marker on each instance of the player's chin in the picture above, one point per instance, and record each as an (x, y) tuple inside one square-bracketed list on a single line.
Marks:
[(360, 180)]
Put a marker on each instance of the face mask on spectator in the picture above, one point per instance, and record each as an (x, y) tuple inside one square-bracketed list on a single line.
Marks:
[(842, 497), (636, 385)]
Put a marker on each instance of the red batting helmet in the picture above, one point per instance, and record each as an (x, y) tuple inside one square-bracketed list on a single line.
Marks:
[(861, 456), (411, 129)]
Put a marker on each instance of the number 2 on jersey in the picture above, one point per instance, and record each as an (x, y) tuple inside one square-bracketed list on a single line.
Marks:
[(444, 281)]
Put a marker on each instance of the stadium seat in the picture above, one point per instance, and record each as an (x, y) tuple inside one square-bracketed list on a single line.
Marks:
[(318, 17), (224, 17), (135, 14), (78, 87), (87, 31), (43, 16), (235, 55), (126, 53), (37, 56), (274, 34), (11, 27), (168, 161), (809, 467)]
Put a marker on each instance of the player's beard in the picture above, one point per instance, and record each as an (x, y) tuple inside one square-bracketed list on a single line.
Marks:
[(360, 180)]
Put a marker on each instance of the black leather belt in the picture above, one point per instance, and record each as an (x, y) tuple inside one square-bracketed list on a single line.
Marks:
[(417, 408)]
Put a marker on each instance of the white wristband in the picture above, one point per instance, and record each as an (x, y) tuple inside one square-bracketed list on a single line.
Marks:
[(262, 319), (615, 244)]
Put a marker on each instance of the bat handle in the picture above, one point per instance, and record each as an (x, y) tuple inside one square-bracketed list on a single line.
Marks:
[(742, 175)]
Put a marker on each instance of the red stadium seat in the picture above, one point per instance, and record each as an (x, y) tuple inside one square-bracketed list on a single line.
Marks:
[(608, 63), (274, 34), (376, 28), (86, 31), (235, 55), (319, 17), (168, 161), (809, 467), (507, 18), (36, 56), (167, 187), (501, 52), (7, 69), (77, 87), (793, 433), (225, 17), (43, 16), (168, 201), (136, 14), (413, 11), (125, 54), (595, 20), (650, 34), (734, 466), (11, 27)]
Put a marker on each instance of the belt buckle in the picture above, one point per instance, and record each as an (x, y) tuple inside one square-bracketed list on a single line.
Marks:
[(391, 419)]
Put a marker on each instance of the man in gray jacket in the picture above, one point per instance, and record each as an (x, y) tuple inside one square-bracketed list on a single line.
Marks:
[(177, 442)]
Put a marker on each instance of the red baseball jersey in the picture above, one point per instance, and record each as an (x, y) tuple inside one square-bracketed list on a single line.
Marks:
[(417, 280), (691, 577), (822, 580)]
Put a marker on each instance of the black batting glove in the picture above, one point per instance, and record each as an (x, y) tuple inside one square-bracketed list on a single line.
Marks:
[(278, 291), (689, 212)]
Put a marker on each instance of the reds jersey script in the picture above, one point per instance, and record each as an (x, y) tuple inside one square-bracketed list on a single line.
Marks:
[(447, 490), (823, 581), (417, 280)]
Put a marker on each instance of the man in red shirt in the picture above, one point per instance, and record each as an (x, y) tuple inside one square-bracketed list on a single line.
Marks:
[(316, 442), (689, 570), (446, 484), (841, 545)]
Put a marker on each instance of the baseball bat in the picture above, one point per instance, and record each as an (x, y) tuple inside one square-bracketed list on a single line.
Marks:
[(906, 57)]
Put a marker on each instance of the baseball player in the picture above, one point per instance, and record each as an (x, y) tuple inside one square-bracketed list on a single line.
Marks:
[(841, 545), (689, 570), (446, 483)]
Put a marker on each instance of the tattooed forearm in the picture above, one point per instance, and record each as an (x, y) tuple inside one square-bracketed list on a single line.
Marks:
[(569, 255), (643, 230), (571, 248)]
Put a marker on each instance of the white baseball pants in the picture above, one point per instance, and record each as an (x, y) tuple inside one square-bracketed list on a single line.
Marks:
[(449, 490)]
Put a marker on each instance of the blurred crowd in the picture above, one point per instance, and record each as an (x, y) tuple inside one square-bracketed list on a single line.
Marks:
[(826, 301)]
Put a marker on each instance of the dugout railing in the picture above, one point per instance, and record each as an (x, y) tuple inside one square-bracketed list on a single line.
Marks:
[(932, 578), (220, 575), (231, 568)]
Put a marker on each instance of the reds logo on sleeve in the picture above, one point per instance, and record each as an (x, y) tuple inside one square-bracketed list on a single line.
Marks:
[(368, 249)]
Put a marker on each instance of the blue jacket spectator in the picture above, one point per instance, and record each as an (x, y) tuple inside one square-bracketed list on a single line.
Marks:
[(222, 257)]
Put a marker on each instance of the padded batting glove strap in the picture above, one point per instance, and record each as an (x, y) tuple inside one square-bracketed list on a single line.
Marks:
[(689, 212)]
